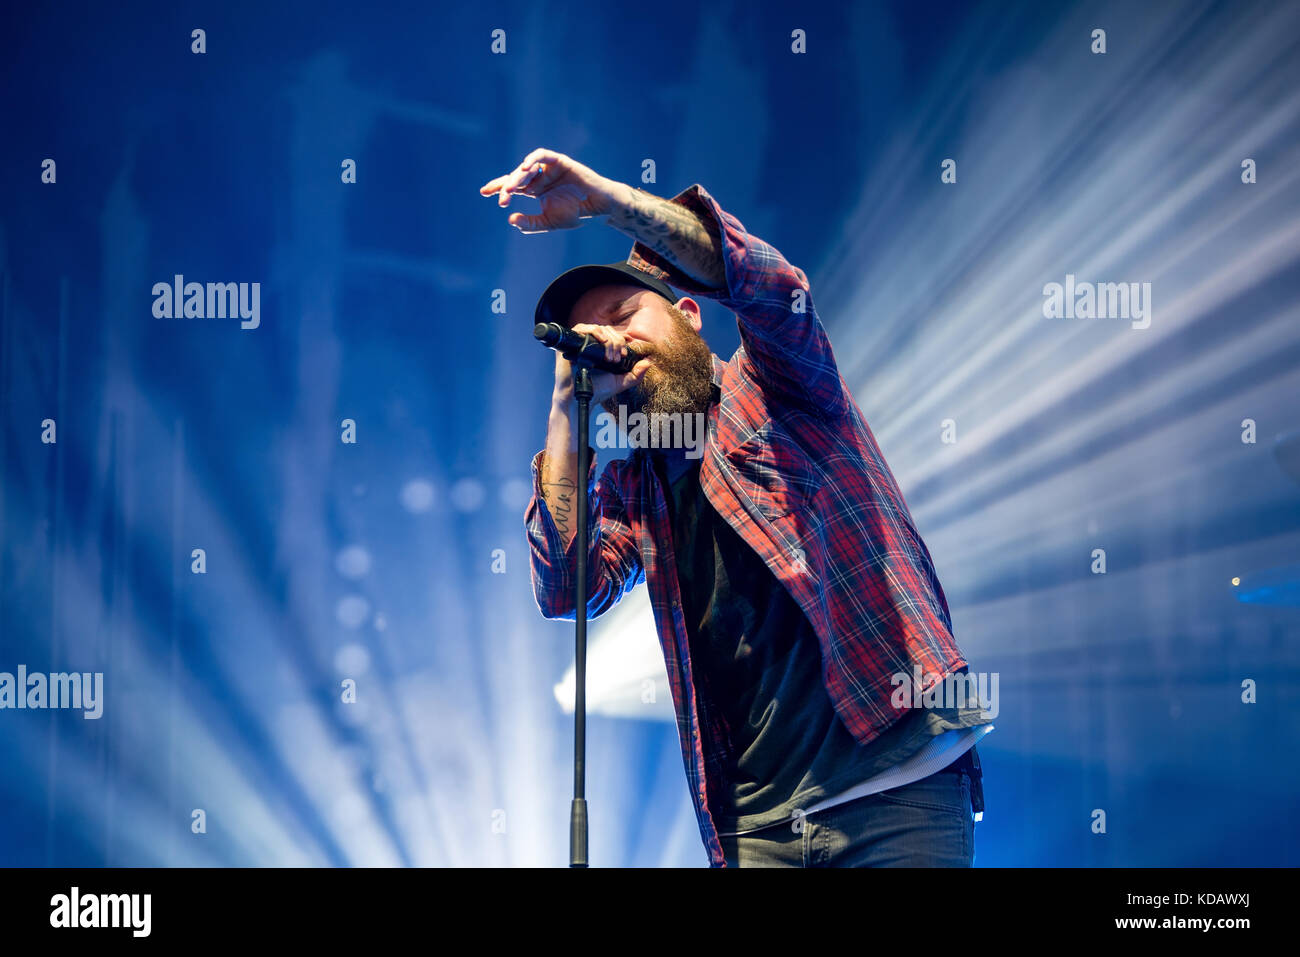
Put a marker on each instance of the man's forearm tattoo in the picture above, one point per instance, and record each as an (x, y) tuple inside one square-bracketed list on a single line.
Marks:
[(560, 496), (675, 233)]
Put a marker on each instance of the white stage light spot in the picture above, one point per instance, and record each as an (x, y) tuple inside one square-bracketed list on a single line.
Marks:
[(353, 562), (352, 610), (515, 493), (417, 496), (467, 495)]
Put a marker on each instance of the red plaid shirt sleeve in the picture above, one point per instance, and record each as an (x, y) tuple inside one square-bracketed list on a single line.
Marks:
[(786, 346), (614, 563)]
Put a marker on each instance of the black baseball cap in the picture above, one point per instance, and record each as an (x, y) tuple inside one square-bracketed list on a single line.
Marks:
[(557, 301)]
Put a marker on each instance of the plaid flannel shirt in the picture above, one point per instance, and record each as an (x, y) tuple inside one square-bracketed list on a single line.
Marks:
[(791, 465)]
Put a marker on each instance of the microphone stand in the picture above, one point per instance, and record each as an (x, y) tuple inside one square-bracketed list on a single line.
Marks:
[(582, 391)]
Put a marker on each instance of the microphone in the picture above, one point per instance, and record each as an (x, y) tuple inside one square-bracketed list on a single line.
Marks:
[(572, 344)]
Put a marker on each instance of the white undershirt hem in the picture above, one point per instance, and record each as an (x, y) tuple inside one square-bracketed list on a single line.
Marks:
[(937, 753)]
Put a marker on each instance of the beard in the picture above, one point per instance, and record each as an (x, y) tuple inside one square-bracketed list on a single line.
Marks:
[(680, 377)]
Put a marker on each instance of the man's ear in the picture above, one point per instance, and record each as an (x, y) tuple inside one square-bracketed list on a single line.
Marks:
[(692, 309)]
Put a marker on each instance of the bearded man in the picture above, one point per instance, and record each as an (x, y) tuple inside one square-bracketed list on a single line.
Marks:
[(791, 591)]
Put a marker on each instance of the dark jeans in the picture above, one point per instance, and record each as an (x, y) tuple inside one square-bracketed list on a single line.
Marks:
[(928, 823)]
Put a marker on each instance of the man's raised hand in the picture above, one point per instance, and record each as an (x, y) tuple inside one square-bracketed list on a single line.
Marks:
[(568, 191)]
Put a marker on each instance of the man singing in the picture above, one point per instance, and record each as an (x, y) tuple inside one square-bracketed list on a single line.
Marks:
[(804, 630)]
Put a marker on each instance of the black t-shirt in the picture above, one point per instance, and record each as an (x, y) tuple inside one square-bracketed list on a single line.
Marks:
[(756, 659)]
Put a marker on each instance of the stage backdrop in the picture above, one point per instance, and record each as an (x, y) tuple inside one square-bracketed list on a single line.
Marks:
[(286, 544)]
